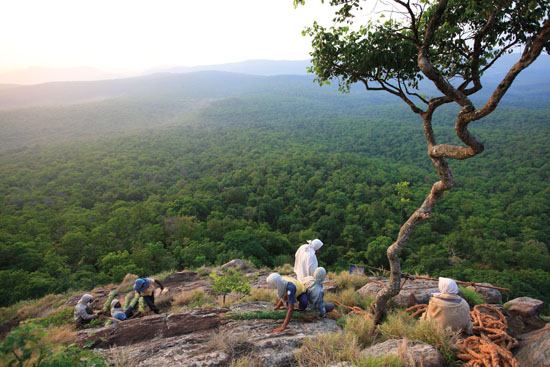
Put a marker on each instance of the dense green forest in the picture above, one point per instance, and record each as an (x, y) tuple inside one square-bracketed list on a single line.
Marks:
[(255, 176)]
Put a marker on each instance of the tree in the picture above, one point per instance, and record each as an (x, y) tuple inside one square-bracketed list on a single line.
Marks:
[(451, 43), (232, 281)]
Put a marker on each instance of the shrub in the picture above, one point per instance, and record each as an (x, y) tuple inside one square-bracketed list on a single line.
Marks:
[(471, 296), (231, 281), (285, 269), (32, 345)]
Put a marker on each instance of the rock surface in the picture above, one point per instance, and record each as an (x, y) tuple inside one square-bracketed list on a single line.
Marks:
[(534, 348), (489, 295), (523, 315), (525, 306), (419, 354), (235, 264), (233, 338), (152, 327), (422, 290)]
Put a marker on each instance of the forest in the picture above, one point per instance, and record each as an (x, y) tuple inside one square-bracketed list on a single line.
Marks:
[(255, 175)]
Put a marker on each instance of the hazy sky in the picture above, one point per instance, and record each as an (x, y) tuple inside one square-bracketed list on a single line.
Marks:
[(122, 35)]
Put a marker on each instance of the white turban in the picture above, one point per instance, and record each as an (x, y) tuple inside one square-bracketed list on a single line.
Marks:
[(318, 277), (447, 285), (306, 261), (276, 281)]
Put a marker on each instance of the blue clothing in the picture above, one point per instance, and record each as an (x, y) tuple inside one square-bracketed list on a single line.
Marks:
[(291, 293)]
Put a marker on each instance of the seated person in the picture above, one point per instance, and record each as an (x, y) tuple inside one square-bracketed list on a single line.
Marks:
[(146, 288), (448, 309), (118, 313), (315, 293), (83, 312), (289, 290)]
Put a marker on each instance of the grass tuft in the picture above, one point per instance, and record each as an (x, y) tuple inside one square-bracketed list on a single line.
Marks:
[(347, 280), (471, 296), (262, 295), (191, 299)]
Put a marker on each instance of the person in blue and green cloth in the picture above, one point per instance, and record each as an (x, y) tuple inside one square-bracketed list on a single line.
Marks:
[(315, 293), (289, 291), (146, 289)]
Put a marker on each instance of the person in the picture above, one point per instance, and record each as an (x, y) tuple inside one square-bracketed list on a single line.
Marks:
[(315, 293), (305, 261), (118, 313), (146, 288), (448, 309), (83, 312), (289, 290)]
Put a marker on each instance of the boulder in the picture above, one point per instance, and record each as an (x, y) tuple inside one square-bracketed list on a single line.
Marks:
[(489, 295), (151, 327), (523, 315), (534, 348), (237, 264), (414, 352), (524, 306), (421, 289)]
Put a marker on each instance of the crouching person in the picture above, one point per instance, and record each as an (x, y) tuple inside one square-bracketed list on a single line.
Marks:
[(448, 309), (289, 291), (118, 313), (83, 312), (315, 293), (146, 288)]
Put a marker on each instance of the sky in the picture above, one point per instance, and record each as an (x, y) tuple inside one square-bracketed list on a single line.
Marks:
[(136, 35)]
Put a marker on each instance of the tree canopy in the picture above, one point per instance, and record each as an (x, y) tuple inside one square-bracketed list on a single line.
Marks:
[(451, 44)]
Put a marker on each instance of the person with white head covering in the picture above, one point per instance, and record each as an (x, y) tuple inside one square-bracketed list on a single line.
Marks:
[(448, 309), (315, 292), (83, 312), (306, 262), (289, 290)]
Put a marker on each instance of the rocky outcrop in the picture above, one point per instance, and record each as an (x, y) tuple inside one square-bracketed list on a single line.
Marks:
[(534, 348), (422, 290), (523, 315), (489, 295), (151, 327), (232, 339), (415, 353)]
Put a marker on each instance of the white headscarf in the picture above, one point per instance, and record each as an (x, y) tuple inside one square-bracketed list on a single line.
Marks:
[(306, 261), (447, 285), (318, 277), (276, 281), (85, 299)]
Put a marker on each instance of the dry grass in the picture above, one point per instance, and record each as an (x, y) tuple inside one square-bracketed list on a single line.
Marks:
[(246, 361), (400, 324), (285, 269), (348, 297), (234, 345), (362, 328), (60, 335), (327, 348), (127, 283), (261, 294), (347, 280), (120, 357), (191, 299)]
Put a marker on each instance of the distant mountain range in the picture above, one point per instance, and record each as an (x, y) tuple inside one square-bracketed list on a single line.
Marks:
[(38, 74), (249, 77)]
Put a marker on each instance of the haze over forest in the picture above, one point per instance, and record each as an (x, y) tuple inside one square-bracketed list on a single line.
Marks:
[(177, 170)]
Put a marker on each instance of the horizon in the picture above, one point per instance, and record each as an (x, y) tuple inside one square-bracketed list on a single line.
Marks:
[(135, 36)]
